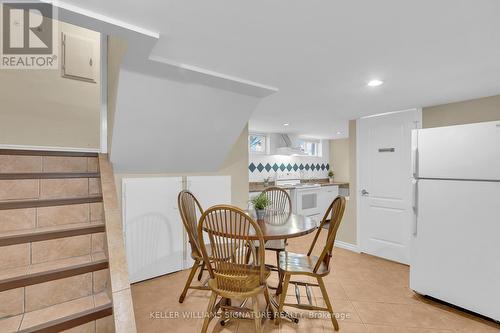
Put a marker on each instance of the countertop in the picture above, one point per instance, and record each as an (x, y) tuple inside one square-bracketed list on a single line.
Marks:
[(259, 186)]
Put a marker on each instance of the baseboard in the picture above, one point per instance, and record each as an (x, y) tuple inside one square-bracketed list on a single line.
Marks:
[(347, 246), (50, 148)]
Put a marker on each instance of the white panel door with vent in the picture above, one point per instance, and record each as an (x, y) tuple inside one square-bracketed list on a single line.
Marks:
[(385, 179), (154, 234)]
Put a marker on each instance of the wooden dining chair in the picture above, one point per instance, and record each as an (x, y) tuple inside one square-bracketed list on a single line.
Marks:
[(291, 264), (231, 231), (190, 210), (280, 203)]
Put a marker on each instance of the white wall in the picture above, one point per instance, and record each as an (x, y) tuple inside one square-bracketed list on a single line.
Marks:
[(167, 126), (41, 108)]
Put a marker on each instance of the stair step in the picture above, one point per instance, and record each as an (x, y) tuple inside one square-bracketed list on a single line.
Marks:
[(47, 233), (49, 271), (46, 153), (48, 175), (62, 316), (17, 204)]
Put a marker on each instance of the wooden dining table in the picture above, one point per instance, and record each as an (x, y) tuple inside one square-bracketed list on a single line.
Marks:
[(283, 226), (278, 226)]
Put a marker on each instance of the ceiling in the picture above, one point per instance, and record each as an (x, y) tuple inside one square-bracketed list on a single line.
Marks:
[(320, 54)]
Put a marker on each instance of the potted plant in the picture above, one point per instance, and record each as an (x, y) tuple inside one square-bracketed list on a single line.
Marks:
[(330, 176), (260, 203)]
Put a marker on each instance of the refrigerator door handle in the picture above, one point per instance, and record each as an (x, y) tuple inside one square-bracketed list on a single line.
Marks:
[(414, 192), (415, 163)]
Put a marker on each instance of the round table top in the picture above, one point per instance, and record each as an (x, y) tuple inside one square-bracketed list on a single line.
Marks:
[(283, 226)]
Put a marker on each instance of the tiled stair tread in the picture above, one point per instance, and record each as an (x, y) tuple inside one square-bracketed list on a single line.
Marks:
[(31, 203), (51, 228), (44, 267), (49, 175), (47, 233), (46, 153), (55, 313)]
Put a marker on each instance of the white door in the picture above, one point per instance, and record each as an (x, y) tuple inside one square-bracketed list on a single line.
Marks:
[(385, 178), (153, 229)]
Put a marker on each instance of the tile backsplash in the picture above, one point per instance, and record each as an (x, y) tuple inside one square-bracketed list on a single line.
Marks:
[(263, 166)]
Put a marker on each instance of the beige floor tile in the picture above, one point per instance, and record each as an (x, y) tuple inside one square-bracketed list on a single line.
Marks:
[(97, 242), (19, 189), (17, 163), (14, 256), (94, 186), (63, 188), (49, 293), (60, 248), (96, 211), (64, 164), (105, 325), (382, 313), (385, 329), (10, 324), (368, 294), (346, 327), (85, 328), (11, 302), (92, 164), (57, 311), (59, 215), (17, 219), (56, 264)]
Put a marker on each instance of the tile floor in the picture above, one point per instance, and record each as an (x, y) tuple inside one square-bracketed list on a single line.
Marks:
[(369, 295)]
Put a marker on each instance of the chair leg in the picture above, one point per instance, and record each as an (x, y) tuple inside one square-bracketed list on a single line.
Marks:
[(327, 302), (269, 305), (247, 255), (256, 313), (280, 274), (200, 275), (189, 280), (209, 315), (282, 298)]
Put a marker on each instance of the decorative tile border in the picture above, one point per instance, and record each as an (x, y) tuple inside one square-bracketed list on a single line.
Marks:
[(288, 167)]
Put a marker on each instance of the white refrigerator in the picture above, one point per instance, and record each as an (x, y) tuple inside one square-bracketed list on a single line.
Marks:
[(455, 243)]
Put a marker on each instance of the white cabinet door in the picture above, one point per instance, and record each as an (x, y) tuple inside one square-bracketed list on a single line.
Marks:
[(328, 194), (210, 191), (154, 234)]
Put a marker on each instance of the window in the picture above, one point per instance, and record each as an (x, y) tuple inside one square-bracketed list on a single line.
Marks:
[(257, 143), (309, 147)]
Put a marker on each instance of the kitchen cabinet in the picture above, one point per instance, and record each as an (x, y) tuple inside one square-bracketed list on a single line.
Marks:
[(327, 195), (152, 227), (155, 240)]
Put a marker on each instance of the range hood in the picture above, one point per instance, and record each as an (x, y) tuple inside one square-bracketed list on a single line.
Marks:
[(287, 147)]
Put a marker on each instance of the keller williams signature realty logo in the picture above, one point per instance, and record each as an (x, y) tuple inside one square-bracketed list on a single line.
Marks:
[(29, 37)]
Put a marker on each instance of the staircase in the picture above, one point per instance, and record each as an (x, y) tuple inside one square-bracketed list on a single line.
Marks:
[(54, 269)]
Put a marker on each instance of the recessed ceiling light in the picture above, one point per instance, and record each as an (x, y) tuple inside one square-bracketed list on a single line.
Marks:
[(286, 124), (375, 83)]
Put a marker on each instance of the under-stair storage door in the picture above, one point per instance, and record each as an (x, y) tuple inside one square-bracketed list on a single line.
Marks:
[(153, 230), (210, 191)]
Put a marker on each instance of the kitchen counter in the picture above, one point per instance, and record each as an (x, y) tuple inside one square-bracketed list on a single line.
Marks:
[(259, 186)]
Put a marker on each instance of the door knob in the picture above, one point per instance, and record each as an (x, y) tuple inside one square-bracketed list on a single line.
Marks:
[(364, 192)]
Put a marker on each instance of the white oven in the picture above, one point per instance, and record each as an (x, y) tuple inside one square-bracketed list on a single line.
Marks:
[(306, 201)]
